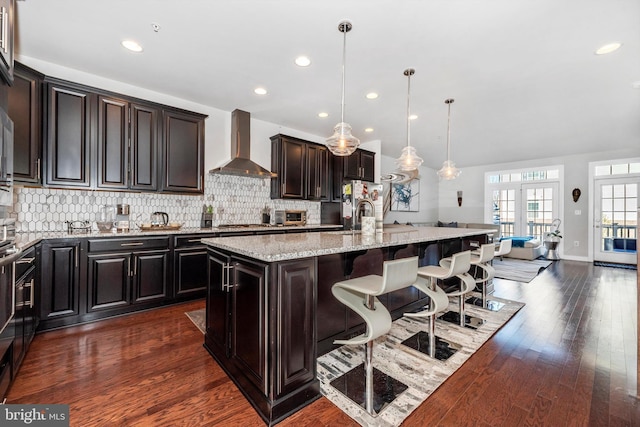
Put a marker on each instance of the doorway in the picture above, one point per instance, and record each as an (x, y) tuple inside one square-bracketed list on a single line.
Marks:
[(615, 220)]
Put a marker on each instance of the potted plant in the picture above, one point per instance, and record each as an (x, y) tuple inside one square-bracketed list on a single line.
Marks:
[(553, 236), (552, 239)]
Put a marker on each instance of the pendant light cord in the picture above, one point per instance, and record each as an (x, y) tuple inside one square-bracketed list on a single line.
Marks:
[(449, 102), (344, 30), (409, 108)]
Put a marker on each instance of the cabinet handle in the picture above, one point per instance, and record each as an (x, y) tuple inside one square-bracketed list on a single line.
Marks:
[(283, 188), (132, 244), (194, 240), (30, 286), (38, 169), (226, 280), (135, 266), (77, 254), (25, 260), (129, 267)]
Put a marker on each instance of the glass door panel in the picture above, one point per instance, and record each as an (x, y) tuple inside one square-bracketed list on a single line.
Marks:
[(616, 222)]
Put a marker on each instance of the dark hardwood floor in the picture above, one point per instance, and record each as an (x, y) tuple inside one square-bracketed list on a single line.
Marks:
[(567, 358)]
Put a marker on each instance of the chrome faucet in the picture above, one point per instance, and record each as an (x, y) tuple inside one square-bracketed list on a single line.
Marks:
[(360, 210)]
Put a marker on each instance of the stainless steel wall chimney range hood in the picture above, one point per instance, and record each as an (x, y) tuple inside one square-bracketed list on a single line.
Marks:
[(240, 163)]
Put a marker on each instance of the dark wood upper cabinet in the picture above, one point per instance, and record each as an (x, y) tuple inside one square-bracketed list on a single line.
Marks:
[(359, 165), (7, 21), (183, 154), (145, 143), (318, 172), (127, 144), (68, 144), (303, 169), (24, 108), (113, 135)]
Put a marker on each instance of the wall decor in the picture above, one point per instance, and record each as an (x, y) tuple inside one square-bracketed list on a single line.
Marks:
[(459, 198), (406, 197), (576, 194)]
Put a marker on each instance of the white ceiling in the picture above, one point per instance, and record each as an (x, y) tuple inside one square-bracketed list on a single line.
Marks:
[(523, 73)]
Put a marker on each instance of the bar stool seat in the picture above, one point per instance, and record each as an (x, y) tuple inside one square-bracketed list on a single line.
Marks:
[(360, 294)]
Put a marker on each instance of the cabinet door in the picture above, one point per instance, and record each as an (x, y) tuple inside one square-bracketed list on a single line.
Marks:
[(150, 275), (217, 320), (367, 166), (296, 313), (108, 281), (337, 177), (60, 278), (293, 169), (352, 165), (144, 147), (24, 105), (69, 136), (7, 12), (183, 160), (190, 276), (317, 173), (249, 321), (113, 150)]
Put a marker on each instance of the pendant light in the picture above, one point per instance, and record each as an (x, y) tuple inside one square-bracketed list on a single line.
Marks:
[(342, 143), (408, 160), (449, 170)]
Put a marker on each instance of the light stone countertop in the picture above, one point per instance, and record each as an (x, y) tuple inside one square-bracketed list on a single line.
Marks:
[(25, 240), (280, 247)]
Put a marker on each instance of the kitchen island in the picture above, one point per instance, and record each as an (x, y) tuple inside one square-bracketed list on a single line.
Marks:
[(270, 310)]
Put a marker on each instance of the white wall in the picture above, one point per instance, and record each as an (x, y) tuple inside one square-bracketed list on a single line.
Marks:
[(428, 206), (576, 175)]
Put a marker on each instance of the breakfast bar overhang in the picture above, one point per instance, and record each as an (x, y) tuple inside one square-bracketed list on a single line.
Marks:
[(270, 311)]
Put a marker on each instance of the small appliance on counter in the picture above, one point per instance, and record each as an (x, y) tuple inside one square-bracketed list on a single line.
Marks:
[(106, 217), (122, 222), (207, 217), (290, 217)]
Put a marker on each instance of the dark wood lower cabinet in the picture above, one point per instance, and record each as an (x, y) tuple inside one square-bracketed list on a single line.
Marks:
[(260, 328), (60, 281)]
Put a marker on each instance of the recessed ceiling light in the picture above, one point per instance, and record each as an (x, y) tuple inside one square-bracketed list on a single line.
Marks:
[(608, 48), (260, 91), (323, 115), (132, 46), (413, 117), (368, 130), (303, 61), (372, 95)]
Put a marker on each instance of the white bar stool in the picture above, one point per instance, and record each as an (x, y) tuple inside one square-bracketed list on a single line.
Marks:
[(359, 294), (503, 249), (431, 344), (467, 284), (482, 261)]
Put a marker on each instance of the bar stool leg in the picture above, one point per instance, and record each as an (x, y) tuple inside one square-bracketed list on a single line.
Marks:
[(368, 365)]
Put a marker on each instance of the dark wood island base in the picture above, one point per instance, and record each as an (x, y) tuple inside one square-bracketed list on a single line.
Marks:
[(270, 311)]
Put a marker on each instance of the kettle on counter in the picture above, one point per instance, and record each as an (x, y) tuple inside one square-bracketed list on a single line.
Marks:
[(159, 219)]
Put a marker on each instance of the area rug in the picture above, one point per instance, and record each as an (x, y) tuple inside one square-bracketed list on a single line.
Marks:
[(198, 318), (519, 270), (420, 373)]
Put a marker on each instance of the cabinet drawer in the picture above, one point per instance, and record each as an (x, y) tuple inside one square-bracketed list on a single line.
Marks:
[(192, 240), (103, 245), (26, 261)]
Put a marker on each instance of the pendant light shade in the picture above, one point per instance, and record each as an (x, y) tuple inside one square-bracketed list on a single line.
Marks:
[(342, 143), (409, 159), (449, 170)]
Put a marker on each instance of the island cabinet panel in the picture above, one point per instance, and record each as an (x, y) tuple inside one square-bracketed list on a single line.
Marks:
[(297, 312), (217, 319), (248, 314), (260, 328)]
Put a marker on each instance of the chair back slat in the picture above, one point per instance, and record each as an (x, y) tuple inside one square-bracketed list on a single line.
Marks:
[(399, 274)]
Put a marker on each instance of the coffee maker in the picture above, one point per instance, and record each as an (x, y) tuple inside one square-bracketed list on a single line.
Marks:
[(122, 218)]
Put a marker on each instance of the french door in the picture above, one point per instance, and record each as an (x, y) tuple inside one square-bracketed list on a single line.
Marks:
[(616, 220), (526, 209)]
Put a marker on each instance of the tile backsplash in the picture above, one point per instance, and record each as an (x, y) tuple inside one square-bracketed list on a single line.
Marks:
[(235, 200)]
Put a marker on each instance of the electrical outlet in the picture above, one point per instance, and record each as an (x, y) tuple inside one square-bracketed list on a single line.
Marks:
[(576, 243)]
